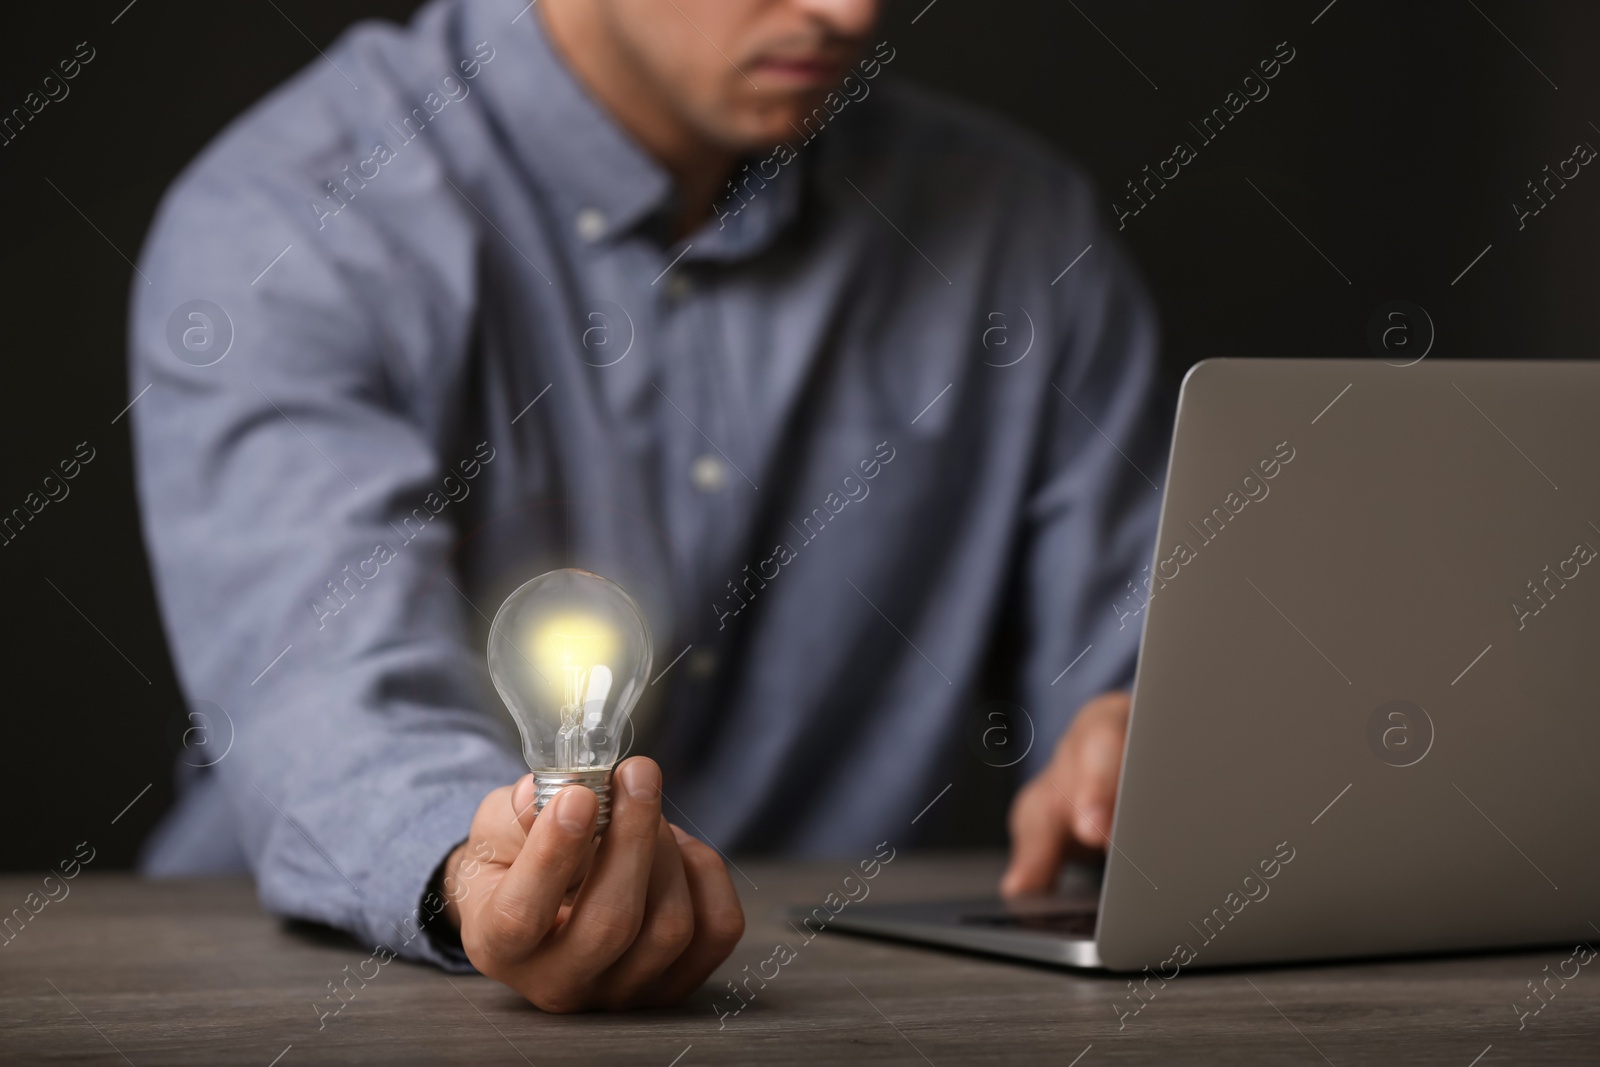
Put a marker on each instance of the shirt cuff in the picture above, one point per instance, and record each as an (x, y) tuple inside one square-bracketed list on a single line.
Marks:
[(445, 938), (407, 915)]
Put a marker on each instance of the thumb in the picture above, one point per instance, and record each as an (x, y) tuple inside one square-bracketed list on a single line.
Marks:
[(1039, 838)]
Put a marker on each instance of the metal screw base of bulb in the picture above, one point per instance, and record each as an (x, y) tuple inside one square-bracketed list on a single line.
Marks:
[(546, 784)]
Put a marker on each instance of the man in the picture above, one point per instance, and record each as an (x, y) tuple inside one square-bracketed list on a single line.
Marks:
[(848, 386)]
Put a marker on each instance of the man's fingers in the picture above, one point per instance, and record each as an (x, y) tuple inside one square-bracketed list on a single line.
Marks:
[(654, 917), (1097, 763), (503, 821), (522, 797), (609, 909), (1072, 800), (493, 824), (666, 930), (718, 921), (1038, 840), (508, 927)]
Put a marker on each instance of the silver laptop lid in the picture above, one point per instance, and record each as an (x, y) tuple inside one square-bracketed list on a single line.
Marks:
[(1364, 719)]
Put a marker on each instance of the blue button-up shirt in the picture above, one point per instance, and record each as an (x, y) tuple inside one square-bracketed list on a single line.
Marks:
[(865, 447)]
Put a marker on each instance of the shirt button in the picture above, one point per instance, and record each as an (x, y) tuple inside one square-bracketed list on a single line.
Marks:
[(702, 663), (591, 223), (680, 287), (708, 473)]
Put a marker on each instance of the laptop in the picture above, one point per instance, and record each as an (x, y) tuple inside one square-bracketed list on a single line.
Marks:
[(1365, 711)]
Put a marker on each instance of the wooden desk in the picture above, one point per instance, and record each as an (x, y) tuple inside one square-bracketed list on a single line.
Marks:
[(194, 973)]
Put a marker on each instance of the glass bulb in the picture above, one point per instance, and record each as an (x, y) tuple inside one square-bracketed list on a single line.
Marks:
[(569, 653)]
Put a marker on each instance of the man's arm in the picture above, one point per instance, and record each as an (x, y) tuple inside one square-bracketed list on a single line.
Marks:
[(295, 494), (1092, 520), (298, 529)]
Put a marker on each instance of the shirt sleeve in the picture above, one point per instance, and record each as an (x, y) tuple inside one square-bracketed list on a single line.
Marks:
[(299, 486), (1092, 513)]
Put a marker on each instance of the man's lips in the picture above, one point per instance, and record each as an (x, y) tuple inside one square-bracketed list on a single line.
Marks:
[(801, 72)]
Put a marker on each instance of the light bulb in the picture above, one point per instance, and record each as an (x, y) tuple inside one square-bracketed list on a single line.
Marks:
[(569, 653)]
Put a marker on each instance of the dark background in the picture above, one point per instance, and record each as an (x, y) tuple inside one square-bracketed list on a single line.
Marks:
[(1395, 141)]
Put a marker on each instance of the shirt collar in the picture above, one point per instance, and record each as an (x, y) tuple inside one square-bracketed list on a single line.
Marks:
[(602, 182)]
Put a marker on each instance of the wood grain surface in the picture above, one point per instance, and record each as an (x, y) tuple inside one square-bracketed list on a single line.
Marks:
[(193, 972)]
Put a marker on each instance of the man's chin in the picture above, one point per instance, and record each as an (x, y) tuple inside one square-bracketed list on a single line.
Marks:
[(774, 126)]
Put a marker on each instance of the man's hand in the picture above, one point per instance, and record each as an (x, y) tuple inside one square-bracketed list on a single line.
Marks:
[(640, 920), (1067, 808)]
